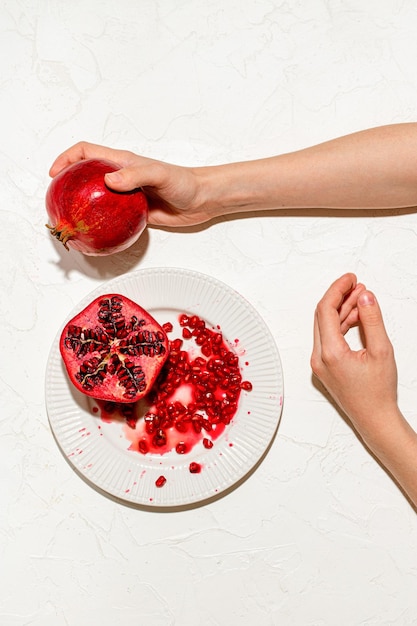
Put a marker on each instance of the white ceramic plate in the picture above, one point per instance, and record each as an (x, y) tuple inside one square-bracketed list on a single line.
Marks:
[(99, 451)]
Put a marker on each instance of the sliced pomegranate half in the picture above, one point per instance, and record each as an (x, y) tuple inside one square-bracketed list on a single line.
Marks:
[(113, 349)]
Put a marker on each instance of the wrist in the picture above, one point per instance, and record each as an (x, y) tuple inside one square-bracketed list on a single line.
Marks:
[(388, 435), (229, 188), (398, 454)]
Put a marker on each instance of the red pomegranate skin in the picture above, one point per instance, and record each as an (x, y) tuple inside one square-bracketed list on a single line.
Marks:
[(113, 350), (88, 216)]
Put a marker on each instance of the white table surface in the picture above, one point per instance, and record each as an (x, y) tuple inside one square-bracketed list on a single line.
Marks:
[(319, 534)]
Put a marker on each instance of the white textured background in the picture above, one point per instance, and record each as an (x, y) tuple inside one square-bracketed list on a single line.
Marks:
[(318, 535)]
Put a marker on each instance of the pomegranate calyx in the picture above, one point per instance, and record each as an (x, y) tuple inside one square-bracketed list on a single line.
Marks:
[(62, 235)]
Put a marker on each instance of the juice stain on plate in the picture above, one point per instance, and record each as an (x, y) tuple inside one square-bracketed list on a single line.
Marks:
[(194, 398)]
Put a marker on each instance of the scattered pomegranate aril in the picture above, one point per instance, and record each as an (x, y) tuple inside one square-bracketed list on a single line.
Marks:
[(186, 333), (181, 426), (199, 362), (159, 438), (143, 447), (207, 425), (193, 321), (206, 349), (184, 319), (175, 345), (194, 395), (197, 426), (181, 447), (195, 468), (88, 216), (246, 385), (160, 482)]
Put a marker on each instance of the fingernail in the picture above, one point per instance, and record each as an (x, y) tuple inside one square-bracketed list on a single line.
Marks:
[(113, 177), (366, 298)]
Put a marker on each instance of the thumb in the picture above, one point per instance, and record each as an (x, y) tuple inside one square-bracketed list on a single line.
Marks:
[(125, 179), (370, 317)]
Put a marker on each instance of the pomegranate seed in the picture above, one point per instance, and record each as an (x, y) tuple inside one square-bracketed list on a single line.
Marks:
[(235, 379), (232, 359), (201, 338), (167, 423), (181, 426), (175, 344), (193, 321), (207, 443), (195, 468), (160, 438), (160, 482), (143, 447), (207, 425), (184, 320), (197, 425), (181, 447), (186, 333), (246, 385), (168, 328), (209, 397), (206, 349)]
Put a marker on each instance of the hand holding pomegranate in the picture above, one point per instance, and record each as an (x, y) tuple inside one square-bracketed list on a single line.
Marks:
[(364, 382), (171, 190)]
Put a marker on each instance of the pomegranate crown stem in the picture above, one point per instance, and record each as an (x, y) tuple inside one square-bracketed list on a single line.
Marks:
[(62, 235)]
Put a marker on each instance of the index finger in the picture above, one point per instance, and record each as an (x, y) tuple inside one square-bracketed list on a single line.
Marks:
[(84, 150), (327, 311)]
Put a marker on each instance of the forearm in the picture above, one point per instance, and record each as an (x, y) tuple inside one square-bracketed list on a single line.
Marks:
[(395, 444), (375, 168)]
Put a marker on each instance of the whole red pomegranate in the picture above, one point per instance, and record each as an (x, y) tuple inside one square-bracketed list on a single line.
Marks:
[(88, 216), (113, 349)]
